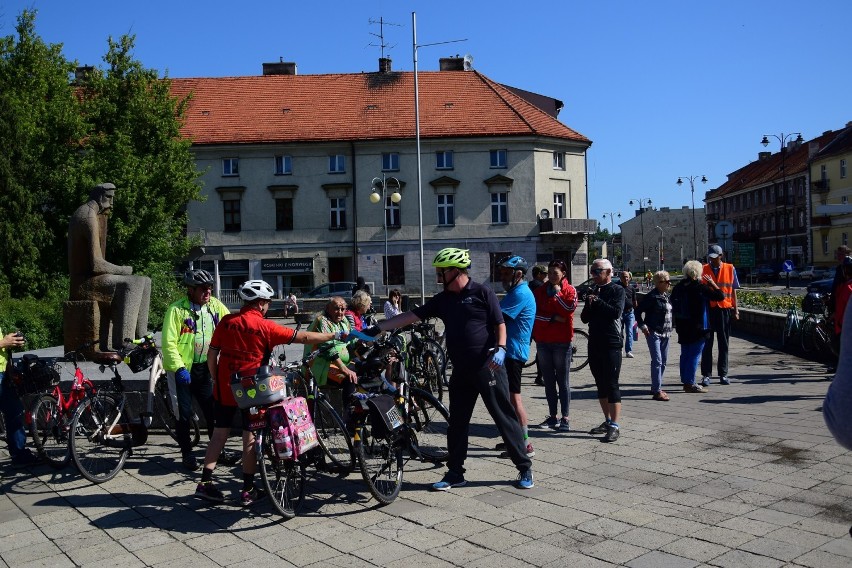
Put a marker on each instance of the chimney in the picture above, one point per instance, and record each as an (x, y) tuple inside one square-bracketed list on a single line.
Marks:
[(280, 68), (82, 73), (384, 65), (451, 63), (763, 155)]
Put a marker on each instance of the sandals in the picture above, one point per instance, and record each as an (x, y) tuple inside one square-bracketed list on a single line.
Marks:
[(661, 396)]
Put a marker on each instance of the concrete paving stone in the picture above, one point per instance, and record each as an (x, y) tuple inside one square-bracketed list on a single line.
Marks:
[(146, 539), (723, 536), (34, 551), (106, 549), (749, 526), (695, 549), (233, 553), (822, 559), (646, 538), (578, 560), (388, 551), (535, 553), (16, 526), (657, 559), (687, 498), (820, 498), (571, 539), (423, 560), (213, 540), (336, 562), (70, 527), (423, 540), (741, 559), (198, 560), (636, 516), (614, 551), (680, 527), (56, 561), (497, 561), (755, 498), (604, 527), (22, 539), (839, 547), (776, 549), (164, 553), (730, 507), (461, 527), (677, 483), (775, 517)]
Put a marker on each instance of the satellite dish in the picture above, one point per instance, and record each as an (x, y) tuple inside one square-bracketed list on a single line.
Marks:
[(468, 62)]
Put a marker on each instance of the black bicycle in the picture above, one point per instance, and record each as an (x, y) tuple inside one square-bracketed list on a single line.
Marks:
[(579, 351)]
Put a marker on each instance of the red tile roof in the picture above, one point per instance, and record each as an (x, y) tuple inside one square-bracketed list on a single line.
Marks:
[(767, 170), (358, 106)]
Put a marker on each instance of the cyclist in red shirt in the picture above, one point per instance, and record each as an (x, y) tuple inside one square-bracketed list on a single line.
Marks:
[(244, 342)]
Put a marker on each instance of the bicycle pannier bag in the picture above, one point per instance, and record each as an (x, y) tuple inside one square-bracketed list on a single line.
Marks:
[(292, 428), (384, 415), (812, 303), (35, 376), (260, 388)]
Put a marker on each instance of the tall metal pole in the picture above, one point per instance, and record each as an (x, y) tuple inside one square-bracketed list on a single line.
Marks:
[(782, 138), (612, 215), (694, 225), (642, 201), (419, 178)]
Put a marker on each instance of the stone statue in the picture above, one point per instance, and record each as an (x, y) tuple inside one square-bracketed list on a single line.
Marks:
[(101, 293)]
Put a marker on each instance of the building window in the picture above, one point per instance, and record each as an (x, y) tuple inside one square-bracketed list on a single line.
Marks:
[(394, 270), (231, 208), (392, 213), (774, 251), (498, 158), (283, 165), (559, 206), (390, 162), (801, 219), (493, 259), (842, 169), (446, 210), (823, 172), (559, 160), (844, 199), (444, 159), (338, 213), (284, 214), (499, 208), (230, 166), (337, 164), (825, 245), (772, 225), (844, 240)]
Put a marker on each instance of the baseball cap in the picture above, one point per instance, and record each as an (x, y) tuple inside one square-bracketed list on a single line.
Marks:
[(715, 251)]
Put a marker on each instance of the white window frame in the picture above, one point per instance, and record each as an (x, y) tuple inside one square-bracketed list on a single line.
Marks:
[(283, 165), (230, 166), (499, 159), (444, 160), (390, 161), (337, 218), (823, 172), (843, 169), (499, 208), (558, 160), (825, 245), (393, 213), (446, 210), (559, 206), (337, 164)]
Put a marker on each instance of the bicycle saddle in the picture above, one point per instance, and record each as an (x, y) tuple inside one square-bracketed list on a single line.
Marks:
[(106, 357)]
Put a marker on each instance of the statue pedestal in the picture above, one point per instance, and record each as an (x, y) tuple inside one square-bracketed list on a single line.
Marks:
[(82, 322)]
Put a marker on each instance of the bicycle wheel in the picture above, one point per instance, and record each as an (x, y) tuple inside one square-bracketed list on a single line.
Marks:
[(579, 350), (381, 463), (429, 419), (96, 460), (284, 480), (533, 360), (163, 410), (333, 437), (432, 375), (432, 346), (49, 430), (806, 334)]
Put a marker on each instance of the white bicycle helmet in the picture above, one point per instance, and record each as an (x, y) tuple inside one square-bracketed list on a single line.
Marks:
[(255, 290)]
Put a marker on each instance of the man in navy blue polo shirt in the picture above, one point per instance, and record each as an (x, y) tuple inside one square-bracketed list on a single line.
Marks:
[(476, 345)]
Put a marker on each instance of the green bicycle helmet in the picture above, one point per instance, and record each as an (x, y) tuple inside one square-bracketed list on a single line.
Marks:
[(452, 258)]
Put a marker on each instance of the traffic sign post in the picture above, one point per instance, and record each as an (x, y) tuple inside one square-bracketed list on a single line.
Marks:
[(788, 268)]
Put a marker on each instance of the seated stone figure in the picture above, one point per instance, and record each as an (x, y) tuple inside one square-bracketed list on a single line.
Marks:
[(101, 293)]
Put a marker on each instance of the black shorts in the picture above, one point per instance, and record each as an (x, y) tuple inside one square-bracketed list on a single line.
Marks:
[(223, 416), (513, 371)]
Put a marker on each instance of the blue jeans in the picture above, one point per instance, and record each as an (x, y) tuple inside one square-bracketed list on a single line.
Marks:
[(659, 349), (554, 362), (627, 325), (13, 414), (690, 357)]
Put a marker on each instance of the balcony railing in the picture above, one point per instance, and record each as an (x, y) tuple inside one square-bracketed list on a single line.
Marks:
[(819, 185), (567, 226)]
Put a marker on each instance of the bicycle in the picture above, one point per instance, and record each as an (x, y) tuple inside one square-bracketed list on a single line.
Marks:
[(792, 323), (425, 358), (103, 433), (389, 421), (579, 351), (52, 413)]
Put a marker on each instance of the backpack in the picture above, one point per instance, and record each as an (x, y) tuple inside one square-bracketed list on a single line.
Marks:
[(680, 303)]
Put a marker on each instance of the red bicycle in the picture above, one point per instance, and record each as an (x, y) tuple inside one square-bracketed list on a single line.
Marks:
[(52, 413)]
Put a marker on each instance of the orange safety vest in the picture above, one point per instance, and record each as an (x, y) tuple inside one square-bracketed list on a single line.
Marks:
[(725, 282)]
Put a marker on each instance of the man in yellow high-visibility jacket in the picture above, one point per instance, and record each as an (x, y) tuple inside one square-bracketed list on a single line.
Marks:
[(721, 314)]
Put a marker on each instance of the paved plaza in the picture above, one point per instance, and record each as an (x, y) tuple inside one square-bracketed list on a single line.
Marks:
[(745, 475)]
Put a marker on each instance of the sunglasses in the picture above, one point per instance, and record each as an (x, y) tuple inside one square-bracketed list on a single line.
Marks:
[(597, 270)]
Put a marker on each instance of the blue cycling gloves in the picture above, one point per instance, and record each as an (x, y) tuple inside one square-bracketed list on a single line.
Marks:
[(182, 376)]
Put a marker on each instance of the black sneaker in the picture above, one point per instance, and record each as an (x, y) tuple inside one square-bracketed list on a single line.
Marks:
[(599, 429), (549, 422), (612, 434), (189, 462), (451, 479), (209, 492), (25, 459)]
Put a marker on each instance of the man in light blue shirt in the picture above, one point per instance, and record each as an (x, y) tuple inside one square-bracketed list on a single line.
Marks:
[(518, 307)]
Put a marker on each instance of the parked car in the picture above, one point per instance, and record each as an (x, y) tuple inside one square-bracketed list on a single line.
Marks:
[(783, 274), (764, 273), (823, 287), (812, 273), (331, 289)]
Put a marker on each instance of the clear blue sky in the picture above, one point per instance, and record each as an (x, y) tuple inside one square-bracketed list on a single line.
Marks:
[(663, 88)]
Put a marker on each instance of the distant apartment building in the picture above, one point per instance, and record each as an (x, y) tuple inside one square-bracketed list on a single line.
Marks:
[(831, 191), (664, 238), (293, 168)]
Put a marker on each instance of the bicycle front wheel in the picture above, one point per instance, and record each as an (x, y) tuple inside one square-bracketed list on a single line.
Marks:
[(284, 480), (163, 409), (579, 350), (96, 460), (429, 419), (433, 377), (380, 458), (49, 430), (334, 440), (806, 335)]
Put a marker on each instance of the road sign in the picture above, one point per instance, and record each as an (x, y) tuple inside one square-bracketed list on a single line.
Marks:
[(794, 249), (743, 255), (788, 266)]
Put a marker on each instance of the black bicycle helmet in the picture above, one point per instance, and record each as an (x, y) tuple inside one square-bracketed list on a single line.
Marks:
[(514, 262), (198, 277)]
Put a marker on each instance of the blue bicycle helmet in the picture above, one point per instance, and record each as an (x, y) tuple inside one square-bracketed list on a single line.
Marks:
[(514, 262)]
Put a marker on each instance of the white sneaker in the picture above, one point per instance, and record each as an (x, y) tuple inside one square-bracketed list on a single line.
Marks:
[(629, 355), (705, 381)]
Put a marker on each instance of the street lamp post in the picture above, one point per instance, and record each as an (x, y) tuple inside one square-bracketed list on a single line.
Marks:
[(381, 185), (692, 189), (662, 240), (642, 202), (612, 216), (782, 138)]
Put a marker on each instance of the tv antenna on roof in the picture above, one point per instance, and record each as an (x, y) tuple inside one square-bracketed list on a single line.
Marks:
[(381, 35)]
